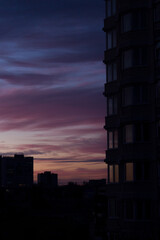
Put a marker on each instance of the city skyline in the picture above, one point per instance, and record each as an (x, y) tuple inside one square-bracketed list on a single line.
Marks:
[(52, 76)]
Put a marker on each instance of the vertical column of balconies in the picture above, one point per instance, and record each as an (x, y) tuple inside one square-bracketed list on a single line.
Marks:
[(132, 59)]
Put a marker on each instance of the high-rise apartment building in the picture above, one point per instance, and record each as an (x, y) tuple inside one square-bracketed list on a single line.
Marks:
[(16, 171), (132, 122)]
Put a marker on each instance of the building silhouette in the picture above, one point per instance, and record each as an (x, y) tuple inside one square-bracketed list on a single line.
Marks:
[(16, 171), (48, 179), (132, 91)]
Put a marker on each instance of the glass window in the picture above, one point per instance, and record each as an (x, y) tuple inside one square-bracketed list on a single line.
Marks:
[(158, 53), (135, 57), (147, 209), (112, 105), (129, 134), (112, 139), (111, 8), (111, 173), (129, 172), (136, 20), (145, 132), (146, 171), (112, 236), (112, 208), (110, 133), (129, 209), (138, 171), (142, 171), (127, 96), (139, 209), (111, 39), (127, 22), (127, 59), (111, 72), (115, 139), (158, 130), (136, 133), (158, 90), (142, 132), (116, 173), (157, 13)]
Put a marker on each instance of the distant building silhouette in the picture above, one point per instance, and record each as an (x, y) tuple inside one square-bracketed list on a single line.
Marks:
[(48, 179), (16, 171), (132, 90), (97, 182)]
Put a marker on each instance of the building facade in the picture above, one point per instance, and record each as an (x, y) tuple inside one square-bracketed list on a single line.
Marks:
[(132, 122), (16, 171), (48, 179)]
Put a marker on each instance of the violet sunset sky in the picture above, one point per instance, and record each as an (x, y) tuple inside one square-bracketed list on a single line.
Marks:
[(52, 80)]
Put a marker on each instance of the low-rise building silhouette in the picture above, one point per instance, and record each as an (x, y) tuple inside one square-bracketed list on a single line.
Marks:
[(48, 179), (16, 171)]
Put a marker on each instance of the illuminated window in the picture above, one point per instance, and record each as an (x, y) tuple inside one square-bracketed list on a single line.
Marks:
[(112, 139), (128, 134), (116, 170), (129, 172), (110, 7), (113, 173)]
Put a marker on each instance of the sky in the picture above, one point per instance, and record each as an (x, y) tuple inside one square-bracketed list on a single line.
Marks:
[(51, 85)]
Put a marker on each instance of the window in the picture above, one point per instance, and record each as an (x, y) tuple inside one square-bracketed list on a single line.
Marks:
[(157, 53), (139, 209), (112, 208), (112, 105), (158, 90), (157, 13), (143, 209), (112, 139), (158, 130), (134, 95), (111, 39), (111, 8), (142, 171), (111, 70), (139, 132), (158, 172), (129, 133), (113, 173), (116, 173), (129, 172), (112, 236), (132, 21), (129, 209), (135, 57)]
